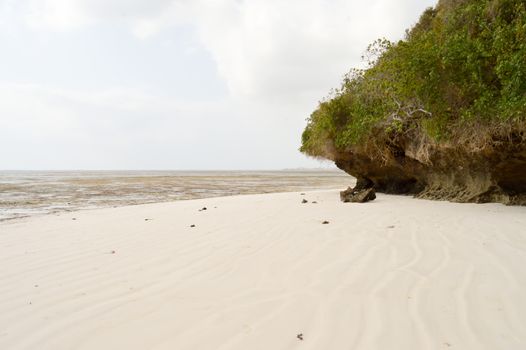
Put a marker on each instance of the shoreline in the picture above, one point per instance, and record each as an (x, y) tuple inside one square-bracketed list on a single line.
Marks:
[(23, 195), (258, 270), (73, 211)]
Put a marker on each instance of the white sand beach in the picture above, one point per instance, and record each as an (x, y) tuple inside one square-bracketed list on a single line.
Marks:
[(262, 271)]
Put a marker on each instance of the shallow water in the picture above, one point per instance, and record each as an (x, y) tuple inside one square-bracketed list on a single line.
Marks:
[(26, 193)]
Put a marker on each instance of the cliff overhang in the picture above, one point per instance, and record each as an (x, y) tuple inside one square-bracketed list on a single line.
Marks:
[(412, 166)]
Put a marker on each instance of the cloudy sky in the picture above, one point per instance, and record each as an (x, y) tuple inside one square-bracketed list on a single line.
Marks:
[(176, 84)]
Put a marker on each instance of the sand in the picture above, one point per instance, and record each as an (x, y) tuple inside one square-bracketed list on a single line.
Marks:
[(257, 271)]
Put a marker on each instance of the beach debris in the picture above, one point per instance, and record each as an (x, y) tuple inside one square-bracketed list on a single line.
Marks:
[(302, 194), (300, 336), (325, 222), (113, 252), (304, 201), (358, 195), (192, 225), (204, 208), (147, 219), (314, 202), (73, 218)]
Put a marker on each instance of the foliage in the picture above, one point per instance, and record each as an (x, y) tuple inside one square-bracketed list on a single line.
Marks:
[(462, 64)]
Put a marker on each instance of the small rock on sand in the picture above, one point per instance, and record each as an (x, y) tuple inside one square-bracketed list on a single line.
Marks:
[(325, 222), (304, 201), (358, 195)]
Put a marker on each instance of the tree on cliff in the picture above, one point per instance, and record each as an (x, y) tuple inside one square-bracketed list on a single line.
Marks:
[(445, 104)]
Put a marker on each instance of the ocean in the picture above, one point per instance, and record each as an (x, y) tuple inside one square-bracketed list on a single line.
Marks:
[(28, 193)]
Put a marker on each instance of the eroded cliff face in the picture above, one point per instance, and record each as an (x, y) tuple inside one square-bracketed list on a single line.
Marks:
[(440, 114), (492, 174)]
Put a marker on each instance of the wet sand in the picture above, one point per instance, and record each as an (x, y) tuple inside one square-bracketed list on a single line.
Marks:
[(28, 193)]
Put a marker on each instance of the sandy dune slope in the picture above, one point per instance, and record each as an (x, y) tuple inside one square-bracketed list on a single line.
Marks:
[(259, 270)]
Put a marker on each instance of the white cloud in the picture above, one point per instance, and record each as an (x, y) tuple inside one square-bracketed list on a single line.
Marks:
[(266, 47), (56, 14), (144, 18), (277, 57), (261, 47), (49, 128), (45, 127)]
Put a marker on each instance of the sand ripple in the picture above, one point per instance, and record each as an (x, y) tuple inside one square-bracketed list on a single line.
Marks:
[(256, 271)]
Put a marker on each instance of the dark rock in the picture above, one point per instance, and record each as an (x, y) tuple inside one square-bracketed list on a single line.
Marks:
[(346, 194), (304, 201), (300, 336), (363, 184), (413, 165), (325, 223), (314, 202), (358, 195), (192, 225), (365, 195)]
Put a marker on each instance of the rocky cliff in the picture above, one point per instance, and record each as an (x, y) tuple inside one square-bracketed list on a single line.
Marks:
[(495, 173), (440, 114)]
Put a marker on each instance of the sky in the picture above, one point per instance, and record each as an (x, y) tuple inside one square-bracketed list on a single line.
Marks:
[(176, 84)]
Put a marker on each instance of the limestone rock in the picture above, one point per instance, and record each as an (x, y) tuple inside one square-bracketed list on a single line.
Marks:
[(358, 195)]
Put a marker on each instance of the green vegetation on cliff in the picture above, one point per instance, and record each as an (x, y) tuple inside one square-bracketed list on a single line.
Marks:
[(458, 78)]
